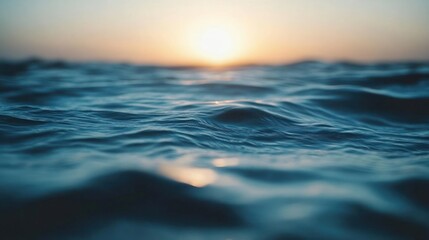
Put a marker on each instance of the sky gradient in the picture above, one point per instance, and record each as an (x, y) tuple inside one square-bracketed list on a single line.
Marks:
[(266, 31)]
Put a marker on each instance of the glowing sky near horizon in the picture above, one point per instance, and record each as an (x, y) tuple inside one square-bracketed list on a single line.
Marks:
[(170, 31)]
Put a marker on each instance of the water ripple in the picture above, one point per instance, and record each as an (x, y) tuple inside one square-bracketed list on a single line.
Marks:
[(103, 150)]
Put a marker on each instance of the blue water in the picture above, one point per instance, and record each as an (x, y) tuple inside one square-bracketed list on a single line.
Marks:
[(310, 150)]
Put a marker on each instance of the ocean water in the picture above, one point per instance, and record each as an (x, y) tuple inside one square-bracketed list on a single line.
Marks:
[(311, 150)]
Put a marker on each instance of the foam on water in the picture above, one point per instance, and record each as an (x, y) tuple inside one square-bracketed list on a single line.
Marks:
[(310, 150)]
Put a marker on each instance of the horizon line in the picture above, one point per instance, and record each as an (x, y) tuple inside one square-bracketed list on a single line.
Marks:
[(206, 65)]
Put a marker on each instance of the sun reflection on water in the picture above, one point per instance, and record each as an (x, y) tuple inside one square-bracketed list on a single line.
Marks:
[(197, 177), (225, 162)]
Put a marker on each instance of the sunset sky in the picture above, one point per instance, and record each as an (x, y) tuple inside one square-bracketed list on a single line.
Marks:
[(215, 31)]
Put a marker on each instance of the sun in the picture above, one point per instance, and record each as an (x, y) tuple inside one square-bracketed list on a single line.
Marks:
[(216, 44)]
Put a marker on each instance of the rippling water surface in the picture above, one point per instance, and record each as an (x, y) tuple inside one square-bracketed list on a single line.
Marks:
[(310, 150)]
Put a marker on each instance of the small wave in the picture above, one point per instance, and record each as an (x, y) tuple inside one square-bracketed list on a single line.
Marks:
[(17, 121), (377, 106), (128, 194), (14, 68), (251, 116), (273, 176), (402, 79)]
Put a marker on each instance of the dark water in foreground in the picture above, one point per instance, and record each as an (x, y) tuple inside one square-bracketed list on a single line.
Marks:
[(303, 151)]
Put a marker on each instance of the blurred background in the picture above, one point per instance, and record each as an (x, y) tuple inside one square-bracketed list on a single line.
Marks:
[(241, 31)]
